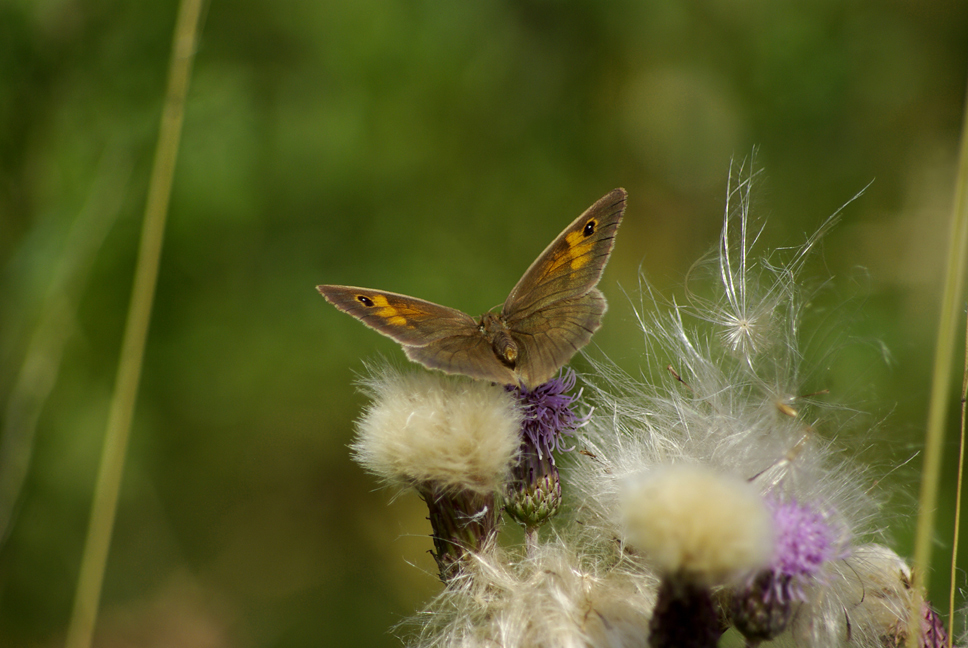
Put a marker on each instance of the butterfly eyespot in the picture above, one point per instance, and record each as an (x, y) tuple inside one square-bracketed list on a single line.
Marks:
[(589, 228), (363, 299)]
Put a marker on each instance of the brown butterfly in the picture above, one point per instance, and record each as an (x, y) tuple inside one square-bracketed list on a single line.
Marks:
[(551, 313)]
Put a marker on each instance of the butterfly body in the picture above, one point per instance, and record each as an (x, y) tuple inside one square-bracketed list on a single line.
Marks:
[(496, 331), (550, 314)]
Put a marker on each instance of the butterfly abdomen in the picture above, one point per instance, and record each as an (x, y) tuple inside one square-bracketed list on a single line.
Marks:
[(497, 333)]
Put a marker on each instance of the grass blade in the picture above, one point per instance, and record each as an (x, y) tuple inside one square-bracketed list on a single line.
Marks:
[(86, 600), (943, 367)]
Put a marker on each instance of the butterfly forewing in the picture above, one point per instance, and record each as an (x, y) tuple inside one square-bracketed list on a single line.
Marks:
[(573, 263), (408, 320)]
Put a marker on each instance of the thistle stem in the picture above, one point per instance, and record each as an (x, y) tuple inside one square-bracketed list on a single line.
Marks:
[(462, 523), (530, 540)]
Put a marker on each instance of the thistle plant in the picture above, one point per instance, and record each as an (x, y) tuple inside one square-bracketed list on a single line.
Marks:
[(710, 496), (452, 440), (534, 493), (683, 518)]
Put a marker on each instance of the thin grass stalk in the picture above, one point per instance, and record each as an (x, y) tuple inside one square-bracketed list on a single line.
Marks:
[(958, 483), (943, 366), (104, 506)]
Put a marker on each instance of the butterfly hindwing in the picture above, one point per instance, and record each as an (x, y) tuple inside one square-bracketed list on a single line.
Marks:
[(469, 355), (548, 338)]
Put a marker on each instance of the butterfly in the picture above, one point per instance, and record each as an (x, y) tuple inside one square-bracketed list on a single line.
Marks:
[(550, 314)]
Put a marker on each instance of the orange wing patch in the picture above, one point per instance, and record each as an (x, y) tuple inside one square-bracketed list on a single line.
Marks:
[(579, 247), (390, 314), (576, 253)]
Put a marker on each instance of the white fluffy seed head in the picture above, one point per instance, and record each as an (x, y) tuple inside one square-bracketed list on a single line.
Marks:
[(726, 382), (436, 430), (693, 521), (869, 598), (553, 598)]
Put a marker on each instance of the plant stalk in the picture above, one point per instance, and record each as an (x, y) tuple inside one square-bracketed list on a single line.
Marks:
[(87, 597), (944, 358)]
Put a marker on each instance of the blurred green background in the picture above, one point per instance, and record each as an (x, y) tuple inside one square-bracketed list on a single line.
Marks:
[(431, 148)]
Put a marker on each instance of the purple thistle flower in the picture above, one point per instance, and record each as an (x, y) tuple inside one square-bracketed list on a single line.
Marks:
[(933, 634), (804, 540), (534, 493), (548, 416)]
